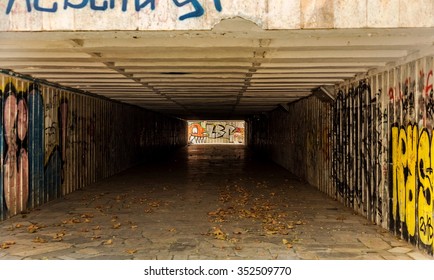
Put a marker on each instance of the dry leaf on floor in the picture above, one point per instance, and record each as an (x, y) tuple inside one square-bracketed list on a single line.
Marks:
[(39, 240), (96, 228), (299, 223), (32, 228), (154, 204), (287, 243), (131, 251), (18, 226), (87, 216), (219, 234), (134, 226), (172, 229), (7, 244), (116, 226), (75, 220), (108, 242), (96, 237)]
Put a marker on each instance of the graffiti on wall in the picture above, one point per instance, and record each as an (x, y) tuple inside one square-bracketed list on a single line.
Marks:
[(412, 183), (56, 116), (16, 157), (54, 6), (358, 121), (412, 150), (54, 141), (205, 132)]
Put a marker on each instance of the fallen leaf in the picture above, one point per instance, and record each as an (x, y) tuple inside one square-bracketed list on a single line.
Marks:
[(18, 226), (96, 237), (134, 226), (238, 248), (7, 244), (32, 228), (299, 223), (108, 242), (116, 226), (154, 204), (96, 228), (39, 240), (172, 229), (87, 220), (59, 236), (219, 234), (87, 216), (76, 220), (131, 251)]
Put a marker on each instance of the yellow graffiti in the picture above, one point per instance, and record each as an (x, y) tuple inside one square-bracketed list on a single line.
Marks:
[(413, 180), (425, 165), (410, 186)]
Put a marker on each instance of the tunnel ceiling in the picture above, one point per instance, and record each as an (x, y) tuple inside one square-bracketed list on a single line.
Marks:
[(234, 70)]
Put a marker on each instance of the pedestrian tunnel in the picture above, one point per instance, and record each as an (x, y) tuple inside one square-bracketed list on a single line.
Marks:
[(342, 100)]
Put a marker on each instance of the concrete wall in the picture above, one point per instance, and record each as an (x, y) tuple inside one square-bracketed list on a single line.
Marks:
[(216, 132), (372, 149), (35, 15), (54, 141)]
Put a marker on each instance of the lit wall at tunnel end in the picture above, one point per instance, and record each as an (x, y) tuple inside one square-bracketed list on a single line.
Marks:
[(54, 141), (216, 132), (371, 148)]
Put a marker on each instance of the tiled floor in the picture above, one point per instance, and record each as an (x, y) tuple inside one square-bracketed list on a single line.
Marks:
[(207, 202)]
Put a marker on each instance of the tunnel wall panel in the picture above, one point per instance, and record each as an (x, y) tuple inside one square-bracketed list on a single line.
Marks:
[(372, 148), (54, 141)]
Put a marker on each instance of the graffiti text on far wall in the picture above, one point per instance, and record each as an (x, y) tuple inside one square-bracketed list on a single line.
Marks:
[(195, 6)]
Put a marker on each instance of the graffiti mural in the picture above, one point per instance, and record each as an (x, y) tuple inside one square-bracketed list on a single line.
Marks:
[(54, 141), (16, 159), (216, 132), (124, 5)]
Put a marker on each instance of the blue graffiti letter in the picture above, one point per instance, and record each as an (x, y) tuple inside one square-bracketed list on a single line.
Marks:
[(42, 9), (11, 3), (198, 12), (218, 5), (124, 5), (95, 7), (75, 6), (140, 6)]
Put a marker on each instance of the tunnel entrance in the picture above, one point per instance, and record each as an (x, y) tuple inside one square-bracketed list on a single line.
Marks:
[(216, 132)]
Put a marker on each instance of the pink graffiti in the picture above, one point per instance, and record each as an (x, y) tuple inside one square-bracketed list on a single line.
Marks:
[(391, 94), (16, 165)]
